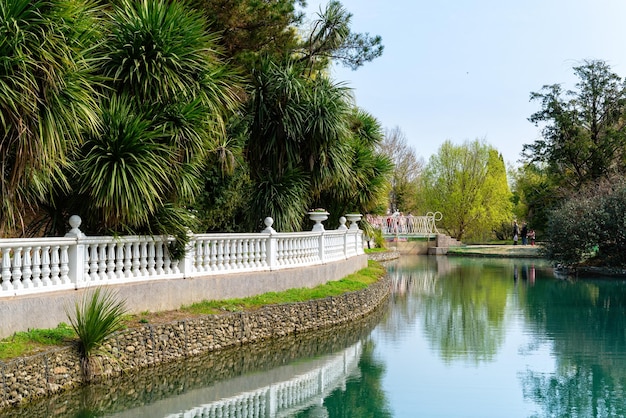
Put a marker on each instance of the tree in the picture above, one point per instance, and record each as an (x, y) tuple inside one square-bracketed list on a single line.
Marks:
[(166, 108), (298, 132), (330, 38), (534, 195), (251, 28), (468, 185), (584, 136), (48, 98), (364, 189), (406, 172)]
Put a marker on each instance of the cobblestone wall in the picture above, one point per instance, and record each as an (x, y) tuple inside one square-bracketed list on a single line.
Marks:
[(27, 379)]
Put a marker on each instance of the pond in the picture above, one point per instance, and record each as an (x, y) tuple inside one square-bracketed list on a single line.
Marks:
[(460, 337)]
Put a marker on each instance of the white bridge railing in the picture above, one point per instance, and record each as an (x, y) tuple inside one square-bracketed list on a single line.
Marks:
[(49, 264), (424, 226)]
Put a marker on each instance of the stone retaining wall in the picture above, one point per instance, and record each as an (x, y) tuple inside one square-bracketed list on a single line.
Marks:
[(30, 378)]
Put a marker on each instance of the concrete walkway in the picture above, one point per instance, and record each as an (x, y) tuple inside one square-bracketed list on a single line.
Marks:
[(511, 251)]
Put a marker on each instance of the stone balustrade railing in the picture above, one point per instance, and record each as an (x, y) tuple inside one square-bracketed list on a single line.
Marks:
[(49, 264), (287, 398)]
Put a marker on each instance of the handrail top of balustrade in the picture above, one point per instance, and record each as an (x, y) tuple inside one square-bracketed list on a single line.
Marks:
[(25, 242)]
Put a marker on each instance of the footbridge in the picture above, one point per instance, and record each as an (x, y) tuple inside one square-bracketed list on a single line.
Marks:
[(407, 226)]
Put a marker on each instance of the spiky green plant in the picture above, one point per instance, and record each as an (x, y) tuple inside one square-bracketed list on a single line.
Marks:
[(96, 316), (48, 96)]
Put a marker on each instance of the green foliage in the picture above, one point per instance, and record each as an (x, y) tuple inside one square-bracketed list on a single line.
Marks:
[(48, 97), (298, 141), (590, 226), (535, 194), (331, 38), (98, 315), (123, 171), (468, 185), (584, 137), (251, 28)]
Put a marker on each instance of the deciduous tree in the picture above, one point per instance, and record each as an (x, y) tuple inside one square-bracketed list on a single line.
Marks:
[(467, 184)]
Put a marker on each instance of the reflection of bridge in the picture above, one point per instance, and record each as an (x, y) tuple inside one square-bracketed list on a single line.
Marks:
[(407, 225), (285, 398)]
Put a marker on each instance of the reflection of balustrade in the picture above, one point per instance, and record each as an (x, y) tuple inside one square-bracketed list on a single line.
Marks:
[(286, 398), (50, 264), (407, 225)]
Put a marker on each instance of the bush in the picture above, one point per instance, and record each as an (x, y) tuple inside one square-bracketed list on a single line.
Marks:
[(590, 226)]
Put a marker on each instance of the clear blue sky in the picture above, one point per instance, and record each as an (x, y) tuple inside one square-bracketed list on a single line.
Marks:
[(464, 69)]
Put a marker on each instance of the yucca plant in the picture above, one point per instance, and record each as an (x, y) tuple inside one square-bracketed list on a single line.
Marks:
[(48, 96), (96, 316)]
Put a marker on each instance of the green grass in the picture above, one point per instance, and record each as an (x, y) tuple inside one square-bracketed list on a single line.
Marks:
[(356, 281), (28, 342)]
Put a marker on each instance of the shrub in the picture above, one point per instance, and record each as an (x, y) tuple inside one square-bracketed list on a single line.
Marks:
[(98, 315)]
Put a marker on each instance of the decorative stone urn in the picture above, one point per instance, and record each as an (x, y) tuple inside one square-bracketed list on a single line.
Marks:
[(354, 218), (318, 217)]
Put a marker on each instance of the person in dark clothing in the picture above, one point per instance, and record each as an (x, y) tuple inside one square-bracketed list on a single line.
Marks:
[(524, 233), (515, 232)]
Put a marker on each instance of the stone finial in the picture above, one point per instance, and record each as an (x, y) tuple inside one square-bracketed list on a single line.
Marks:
[(342, 224), (75, 222), (268, 223)]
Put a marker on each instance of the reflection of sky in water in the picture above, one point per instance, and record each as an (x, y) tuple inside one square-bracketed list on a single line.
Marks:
[(418, 382)]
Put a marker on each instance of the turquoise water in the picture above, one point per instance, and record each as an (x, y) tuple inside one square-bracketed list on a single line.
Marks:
[(461, 337)]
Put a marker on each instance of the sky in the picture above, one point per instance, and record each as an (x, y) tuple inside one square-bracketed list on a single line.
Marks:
[(462, 70)]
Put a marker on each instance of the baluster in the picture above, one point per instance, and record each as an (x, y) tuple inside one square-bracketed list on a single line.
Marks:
[(159, 257), (198, 261), (151, 260), (213, 263), (280, 244), (143, 260), (246, 253), (55, 268), (93, 263), (27, 272), (45, 266), (220, 255), (135, 261), (119, 260), (227, 255), (111, 259), (65, 265), (102, 262), (128, 254), (37, 266), (6, 270), (252, 248), (290, 251), (206, 262), (238, 244), (17, 269)]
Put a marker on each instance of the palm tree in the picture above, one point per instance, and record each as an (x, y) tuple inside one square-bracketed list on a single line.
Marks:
[(48, 97), (166, 109), (297, 147), (364, 188)]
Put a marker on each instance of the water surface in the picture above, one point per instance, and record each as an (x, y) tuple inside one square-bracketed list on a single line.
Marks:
[(460, 337)]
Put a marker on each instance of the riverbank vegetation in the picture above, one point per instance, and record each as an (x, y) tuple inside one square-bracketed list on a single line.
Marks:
[(165, 118), (100, 313)]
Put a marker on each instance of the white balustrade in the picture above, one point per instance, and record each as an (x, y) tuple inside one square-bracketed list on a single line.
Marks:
[(288, 397), (75, 261)]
